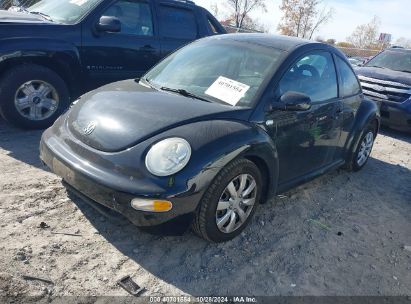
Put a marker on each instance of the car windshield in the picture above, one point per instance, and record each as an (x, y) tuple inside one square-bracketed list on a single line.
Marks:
[(63, 11), (393, 60), (223, 71)]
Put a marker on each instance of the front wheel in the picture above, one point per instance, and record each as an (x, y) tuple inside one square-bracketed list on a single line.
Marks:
[(230, 202), (32, 96)]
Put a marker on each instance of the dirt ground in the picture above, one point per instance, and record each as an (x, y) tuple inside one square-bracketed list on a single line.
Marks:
[(341, 234)]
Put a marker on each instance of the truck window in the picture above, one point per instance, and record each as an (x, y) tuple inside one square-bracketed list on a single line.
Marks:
[(178, 23), (135, 17)]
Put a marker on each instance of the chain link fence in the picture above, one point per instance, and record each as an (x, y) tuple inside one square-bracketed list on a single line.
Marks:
[(6, 4), (232, 29), (354, 52)]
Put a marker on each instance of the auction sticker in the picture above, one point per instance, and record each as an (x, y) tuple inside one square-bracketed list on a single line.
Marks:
[(227, 90)]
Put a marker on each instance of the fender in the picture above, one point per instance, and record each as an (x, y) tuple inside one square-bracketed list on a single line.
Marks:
[(367, 113), (59, 55), (223, 141)]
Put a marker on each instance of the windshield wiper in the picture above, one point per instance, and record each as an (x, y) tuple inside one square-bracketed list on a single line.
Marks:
[(184, 93), (45, 16)]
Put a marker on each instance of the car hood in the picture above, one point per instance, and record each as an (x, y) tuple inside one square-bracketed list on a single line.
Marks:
[(385, 74), (122, 114), (20, 17)]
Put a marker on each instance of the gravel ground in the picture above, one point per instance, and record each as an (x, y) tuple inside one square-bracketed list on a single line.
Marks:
[(341, 234)]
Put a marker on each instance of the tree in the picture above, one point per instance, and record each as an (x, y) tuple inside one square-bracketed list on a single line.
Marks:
[(249, 25), (345, 44), (331, 41), (302, 18), (242, 8), (365, 36)]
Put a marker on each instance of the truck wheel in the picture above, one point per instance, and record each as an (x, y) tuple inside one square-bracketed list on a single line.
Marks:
[(364, 149), (229, 203), (32, 96)]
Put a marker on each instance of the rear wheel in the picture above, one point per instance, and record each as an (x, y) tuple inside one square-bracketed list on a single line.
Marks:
[(230, 202), (32, 96), (364, 149)]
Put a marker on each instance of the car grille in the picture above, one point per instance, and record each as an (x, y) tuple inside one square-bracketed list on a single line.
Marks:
[(382, 90)]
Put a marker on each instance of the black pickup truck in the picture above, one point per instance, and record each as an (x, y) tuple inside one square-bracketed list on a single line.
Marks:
[(53, 51)]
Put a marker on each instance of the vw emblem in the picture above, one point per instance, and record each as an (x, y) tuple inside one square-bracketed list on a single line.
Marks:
[(90, 128), (378, 88)]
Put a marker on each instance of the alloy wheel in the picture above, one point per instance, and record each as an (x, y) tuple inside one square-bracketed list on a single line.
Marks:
[(365, 149), (236, 203), (36, 100)]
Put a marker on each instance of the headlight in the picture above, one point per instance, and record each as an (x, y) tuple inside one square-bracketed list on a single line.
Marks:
[(168, 156)]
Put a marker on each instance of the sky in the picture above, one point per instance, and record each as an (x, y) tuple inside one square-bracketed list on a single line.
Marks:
[(394, 15)]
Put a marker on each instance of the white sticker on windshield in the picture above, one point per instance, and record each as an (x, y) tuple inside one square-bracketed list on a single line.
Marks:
[(227, 90), (78, 2)]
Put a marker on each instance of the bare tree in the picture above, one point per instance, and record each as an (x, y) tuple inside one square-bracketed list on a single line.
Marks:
[(302, 18), (215, 10), (365, 36), (242, 8)]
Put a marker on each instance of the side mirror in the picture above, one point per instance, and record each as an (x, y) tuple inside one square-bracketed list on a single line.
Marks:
[(109, 24), (293, 101)]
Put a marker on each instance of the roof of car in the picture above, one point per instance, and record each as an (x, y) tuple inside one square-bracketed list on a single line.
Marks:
[(285, 43)]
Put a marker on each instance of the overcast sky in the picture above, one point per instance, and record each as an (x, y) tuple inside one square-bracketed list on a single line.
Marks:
[(394, 15)]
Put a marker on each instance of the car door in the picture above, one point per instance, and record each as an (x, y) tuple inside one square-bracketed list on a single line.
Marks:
[(306, 140), (109, 57), (351, 96), (177, 26)]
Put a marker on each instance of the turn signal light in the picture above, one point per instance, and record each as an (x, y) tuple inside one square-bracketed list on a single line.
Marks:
[(151, 205)]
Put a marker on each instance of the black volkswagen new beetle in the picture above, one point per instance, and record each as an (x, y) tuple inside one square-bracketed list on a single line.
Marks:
[(214, 130)]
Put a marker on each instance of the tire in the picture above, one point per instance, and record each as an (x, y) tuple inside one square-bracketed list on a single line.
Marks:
[(366, 144), (32, 96), (205, 220)]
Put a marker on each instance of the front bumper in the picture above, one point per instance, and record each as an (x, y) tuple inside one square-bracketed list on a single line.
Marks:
[(396, 116), (65, 163)]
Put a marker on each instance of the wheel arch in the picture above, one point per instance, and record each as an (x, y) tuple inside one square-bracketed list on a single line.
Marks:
[(62, 64), (265, 175), (368, 114)]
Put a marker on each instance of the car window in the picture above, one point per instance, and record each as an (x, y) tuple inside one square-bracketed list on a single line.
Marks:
[(178, 23), (64, 11), (349, 85), (198, 67), (135, 17), (313, 75)]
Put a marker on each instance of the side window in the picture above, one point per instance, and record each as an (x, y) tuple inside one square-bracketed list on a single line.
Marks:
[(313, 75), (178, 23), (135, 17), (350, 85)]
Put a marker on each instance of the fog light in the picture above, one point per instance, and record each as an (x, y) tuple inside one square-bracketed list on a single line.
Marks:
[(151, 205)]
